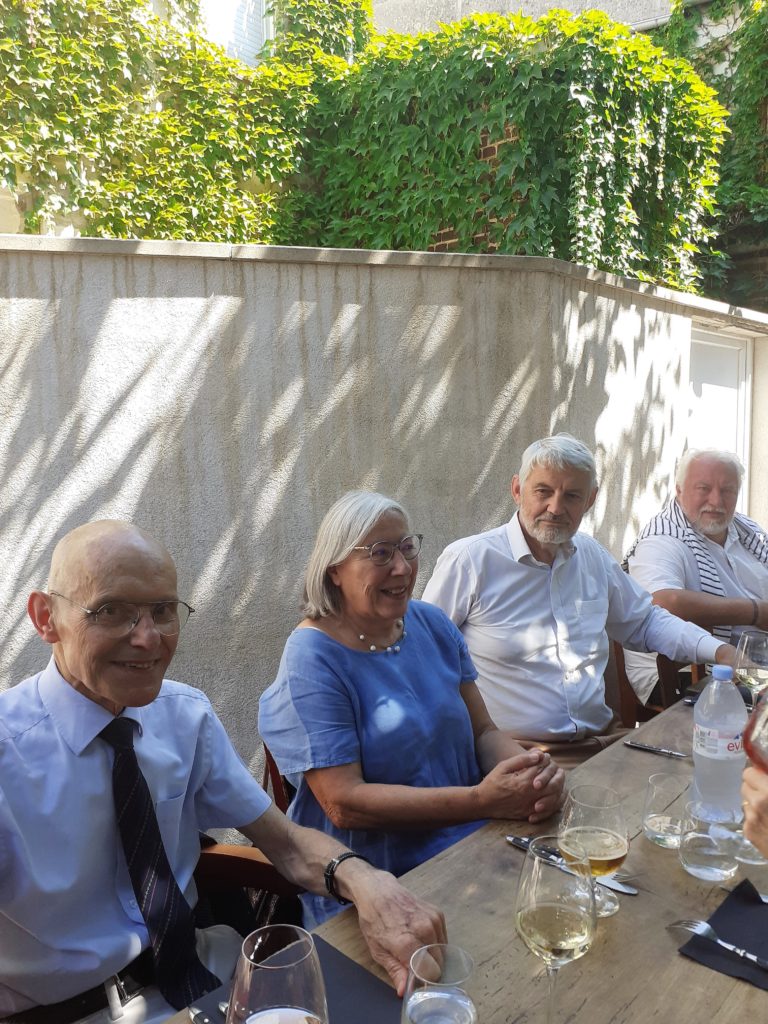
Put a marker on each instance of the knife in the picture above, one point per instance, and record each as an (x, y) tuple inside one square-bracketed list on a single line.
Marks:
[(553, 856), (654, 750)]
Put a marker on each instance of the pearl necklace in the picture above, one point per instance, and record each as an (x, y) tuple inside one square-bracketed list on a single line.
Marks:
[(392, 648)]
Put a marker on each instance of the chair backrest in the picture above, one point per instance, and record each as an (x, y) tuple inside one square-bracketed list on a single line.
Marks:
[(667, 693), (276, 784)]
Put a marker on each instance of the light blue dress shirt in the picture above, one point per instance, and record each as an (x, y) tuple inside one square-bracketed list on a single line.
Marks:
[(400, 715), (68, 916)]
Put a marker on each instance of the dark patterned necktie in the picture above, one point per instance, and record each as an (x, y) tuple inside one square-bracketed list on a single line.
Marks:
[(179, 974)]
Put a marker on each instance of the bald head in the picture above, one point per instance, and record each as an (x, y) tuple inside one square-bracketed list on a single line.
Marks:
[(101, 565), (88, 555)]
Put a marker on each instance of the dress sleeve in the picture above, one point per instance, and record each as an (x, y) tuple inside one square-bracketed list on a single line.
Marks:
[(309, 716)]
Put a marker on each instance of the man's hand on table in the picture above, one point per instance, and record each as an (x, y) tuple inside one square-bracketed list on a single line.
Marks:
[(393, 921)]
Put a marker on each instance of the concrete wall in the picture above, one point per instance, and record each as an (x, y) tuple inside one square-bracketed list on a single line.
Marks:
[(224, 397)]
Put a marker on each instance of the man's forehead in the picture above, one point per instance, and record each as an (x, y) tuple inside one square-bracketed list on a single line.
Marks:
[(708, 470), (104, 556), (569, 476)]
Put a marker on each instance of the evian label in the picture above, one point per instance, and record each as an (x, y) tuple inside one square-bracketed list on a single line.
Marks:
[(713, 743)]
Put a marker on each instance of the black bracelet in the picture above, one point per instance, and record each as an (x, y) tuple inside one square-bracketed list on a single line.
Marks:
[(330, 871)]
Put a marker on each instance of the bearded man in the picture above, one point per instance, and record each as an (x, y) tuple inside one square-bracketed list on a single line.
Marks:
[(699, 558), (538, 602)]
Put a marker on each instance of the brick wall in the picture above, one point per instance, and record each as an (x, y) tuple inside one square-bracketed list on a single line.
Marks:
[(446, 239)]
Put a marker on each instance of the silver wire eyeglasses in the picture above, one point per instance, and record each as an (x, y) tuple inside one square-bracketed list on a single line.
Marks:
[(383, 551), (118, 618)]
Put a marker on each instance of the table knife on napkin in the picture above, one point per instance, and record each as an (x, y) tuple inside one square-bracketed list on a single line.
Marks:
[(553, 856)]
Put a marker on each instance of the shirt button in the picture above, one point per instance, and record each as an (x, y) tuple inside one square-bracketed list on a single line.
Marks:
[(132, 903)]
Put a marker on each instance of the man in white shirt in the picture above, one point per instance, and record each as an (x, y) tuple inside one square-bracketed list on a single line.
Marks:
[(537, 602), (77, 923), (699, 559)]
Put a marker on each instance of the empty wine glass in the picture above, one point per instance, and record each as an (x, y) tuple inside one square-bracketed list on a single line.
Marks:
[(555, 911), (752, 661), (278, 979), (594, 819), (438, 987)]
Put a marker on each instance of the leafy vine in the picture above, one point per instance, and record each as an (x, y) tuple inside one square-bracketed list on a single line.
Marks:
[(604, 147)]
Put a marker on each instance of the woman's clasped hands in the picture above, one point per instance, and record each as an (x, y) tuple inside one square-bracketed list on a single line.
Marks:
[(528, 785)]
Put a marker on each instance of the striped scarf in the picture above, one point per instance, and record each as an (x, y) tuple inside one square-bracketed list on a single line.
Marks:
[(673, 522)]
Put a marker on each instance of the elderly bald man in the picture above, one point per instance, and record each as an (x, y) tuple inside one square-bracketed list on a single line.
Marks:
[(73, 919)]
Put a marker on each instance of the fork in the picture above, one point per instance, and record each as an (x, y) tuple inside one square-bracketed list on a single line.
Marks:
[(703, 928)]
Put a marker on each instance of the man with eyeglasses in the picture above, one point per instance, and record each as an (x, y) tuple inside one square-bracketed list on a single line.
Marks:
[(108, 772)]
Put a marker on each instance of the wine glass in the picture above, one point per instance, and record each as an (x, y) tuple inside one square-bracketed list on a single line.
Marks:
[(555, 911), (594, 819), (752, 661), (437, 989), (278, 979)]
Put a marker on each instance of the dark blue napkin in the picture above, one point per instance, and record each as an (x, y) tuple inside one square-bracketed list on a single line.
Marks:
[(742, 920), (355, 996)]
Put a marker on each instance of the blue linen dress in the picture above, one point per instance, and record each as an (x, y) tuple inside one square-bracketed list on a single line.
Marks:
[(400, 715)]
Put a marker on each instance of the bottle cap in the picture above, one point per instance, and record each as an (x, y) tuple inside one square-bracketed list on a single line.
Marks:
[(722, 672)]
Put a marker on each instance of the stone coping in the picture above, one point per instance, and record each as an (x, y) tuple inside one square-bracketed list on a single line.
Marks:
[(736, 319)]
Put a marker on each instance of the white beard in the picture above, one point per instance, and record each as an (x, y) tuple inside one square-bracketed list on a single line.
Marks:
[(549, 533)]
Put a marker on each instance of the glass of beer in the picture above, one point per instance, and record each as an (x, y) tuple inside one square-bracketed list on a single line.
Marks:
[(278, 979), (593, 820)]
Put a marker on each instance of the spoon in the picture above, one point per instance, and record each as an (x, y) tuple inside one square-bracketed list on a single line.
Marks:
[(682, 928)]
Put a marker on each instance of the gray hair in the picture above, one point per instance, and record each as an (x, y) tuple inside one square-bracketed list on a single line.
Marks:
[(345, 524), (559, 452), (693, 454)]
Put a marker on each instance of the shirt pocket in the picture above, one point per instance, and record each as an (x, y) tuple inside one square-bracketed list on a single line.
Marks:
[(587, 623)]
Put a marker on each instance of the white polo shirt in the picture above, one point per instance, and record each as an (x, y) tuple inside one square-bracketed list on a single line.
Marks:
[(539, 634)]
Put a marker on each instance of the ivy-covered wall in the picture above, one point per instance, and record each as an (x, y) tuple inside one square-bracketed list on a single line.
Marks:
[(144, 130), (728, 46)]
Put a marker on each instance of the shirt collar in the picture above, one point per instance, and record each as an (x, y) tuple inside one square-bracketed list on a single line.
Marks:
[(521, 552), (77, 719)]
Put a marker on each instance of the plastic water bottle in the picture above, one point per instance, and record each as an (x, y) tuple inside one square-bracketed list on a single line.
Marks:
[(719, 719)]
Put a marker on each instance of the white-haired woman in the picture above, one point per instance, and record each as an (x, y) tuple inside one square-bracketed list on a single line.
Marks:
[(375, 716)]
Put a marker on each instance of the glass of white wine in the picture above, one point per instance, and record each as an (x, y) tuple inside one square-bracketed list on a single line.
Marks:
[(593, 819), (555, 912), (278, 979), (752, 661), (438, 987)]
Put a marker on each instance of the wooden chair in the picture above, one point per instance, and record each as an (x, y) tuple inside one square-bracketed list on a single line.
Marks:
[(239, 885), (667, 693), (275, 783)]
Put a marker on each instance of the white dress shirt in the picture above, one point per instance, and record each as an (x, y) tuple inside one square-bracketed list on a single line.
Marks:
[(539, 634), (68, 914), (667, 563)]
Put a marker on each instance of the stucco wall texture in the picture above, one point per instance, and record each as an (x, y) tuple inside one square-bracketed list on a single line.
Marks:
[(224, 397)]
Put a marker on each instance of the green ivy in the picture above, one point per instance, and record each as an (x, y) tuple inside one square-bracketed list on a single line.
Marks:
[(735, 63), (143, 129), (148, 131), (613, 165), (338, 27)]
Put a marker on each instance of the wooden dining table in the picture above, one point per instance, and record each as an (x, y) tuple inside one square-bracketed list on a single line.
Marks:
[(633, 971)]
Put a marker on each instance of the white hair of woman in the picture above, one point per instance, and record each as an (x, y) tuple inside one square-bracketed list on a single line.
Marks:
[(562, 451), (345, 524)]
